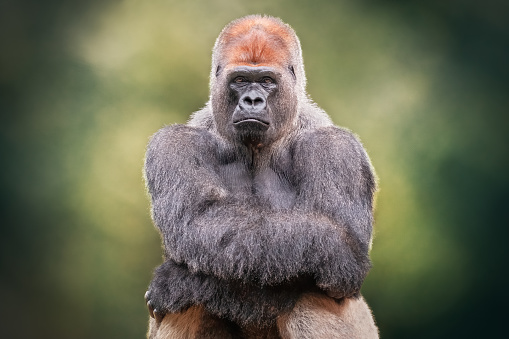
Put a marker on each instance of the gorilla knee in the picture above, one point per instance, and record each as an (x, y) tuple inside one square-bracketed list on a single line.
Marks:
[(318, 316), (192, 323)]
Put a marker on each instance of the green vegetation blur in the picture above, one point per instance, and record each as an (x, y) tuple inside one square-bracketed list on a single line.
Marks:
[(84, 84)]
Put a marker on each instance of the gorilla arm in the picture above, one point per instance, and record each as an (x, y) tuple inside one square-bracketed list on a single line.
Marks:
[(337, 182), (325, 235), (179, 172)]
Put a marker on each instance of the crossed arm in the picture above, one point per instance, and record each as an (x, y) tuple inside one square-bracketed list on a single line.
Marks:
[(214, 235)]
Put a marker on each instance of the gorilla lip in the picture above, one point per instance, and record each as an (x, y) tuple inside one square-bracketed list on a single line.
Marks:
[(251, 120)]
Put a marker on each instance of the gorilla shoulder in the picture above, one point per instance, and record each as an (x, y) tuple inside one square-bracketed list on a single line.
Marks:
[(336, 142), (178, 153), (179, 139)]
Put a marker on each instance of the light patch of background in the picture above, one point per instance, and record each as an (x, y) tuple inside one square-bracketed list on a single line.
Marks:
[(85, 84)]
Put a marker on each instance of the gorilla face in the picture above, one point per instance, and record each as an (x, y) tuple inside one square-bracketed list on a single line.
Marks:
[(253, 90), (254, 105)]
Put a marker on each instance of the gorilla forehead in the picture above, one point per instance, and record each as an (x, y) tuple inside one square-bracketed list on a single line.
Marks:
[(258, 41)]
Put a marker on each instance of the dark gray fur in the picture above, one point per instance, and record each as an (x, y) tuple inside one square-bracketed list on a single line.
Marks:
[(246, 231)]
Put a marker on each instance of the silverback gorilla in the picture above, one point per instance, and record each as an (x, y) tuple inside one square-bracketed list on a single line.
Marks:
[(264, 206)]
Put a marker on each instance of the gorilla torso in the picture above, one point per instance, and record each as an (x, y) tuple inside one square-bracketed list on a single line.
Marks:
[(267, 179), (268, 187)]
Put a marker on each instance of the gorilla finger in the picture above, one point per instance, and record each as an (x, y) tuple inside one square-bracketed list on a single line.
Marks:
[(335, 294), (150, 309), (159, 315)]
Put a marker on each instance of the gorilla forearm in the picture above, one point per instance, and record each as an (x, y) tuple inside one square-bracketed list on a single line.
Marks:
[(174, 289), (232, 242)]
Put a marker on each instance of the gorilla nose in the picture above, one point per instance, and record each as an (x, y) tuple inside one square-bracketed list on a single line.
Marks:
[(253, 102)]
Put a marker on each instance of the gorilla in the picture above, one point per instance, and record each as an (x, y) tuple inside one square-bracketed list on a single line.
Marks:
[(265, 207)]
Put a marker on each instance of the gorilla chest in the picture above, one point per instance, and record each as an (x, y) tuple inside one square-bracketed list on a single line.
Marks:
[(265, 186)]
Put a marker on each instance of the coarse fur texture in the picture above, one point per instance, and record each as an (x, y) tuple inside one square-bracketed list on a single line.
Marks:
[(264, 206)]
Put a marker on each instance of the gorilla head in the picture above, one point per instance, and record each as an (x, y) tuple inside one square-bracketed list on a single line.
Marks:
[(257, 81)]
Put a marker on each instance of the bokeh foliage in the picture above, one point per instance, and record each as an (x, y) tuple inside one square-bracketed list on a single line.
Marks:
[(85, 83)]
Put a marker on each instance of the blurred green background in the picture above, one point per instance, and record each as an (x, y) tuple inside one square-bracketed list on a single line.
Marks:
[(84, 84)]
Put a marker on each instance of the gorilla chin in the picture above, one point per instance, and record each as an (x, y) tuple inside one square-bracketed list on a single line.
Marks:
[(252, 131)]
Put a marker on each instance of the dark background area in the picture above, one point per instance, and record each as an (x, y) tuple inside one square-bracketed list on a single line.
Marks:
[(83, 85)]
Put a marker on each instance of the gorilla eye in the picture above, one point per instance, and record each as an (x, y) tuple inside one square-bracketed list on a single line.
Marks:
[(239, 80), (267, 80)]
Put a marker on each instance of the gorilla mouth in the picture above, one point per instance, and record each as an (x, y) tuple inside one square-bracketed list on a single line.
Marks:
[(251, 125), (251, 122)]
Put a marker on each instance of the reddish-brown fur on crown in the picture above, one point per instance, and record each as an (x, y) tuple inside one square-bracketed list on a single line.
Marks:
[(257, 41)]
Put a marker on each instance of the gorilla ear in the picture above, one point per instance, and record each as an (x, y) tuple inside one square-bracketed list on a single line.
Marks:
[(218, 69), (293, 72)]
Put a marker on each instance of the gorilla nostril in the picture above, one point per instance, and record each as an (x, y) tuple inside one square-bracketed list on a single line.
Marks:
[(258, 101), (248, 101)]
